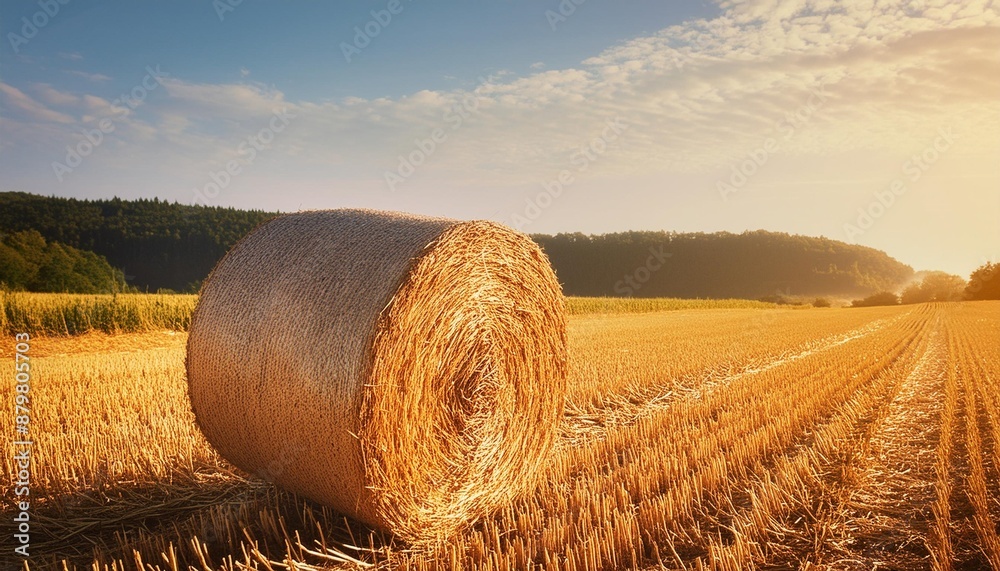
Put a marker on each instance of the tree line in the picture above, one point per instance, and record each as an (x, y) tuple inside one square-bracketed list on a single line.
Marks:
[(983, 283), (29, 262), (756, 265), (158, 245)]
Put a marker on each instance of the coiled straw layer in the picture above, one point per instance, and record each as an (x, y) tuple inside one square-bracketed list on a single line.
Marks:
[(407, 371)]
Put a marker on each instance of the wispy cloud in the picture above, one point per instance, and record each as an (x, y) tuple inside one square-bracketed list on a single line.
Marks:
[(54, 97), (97, 77), (31, 109)]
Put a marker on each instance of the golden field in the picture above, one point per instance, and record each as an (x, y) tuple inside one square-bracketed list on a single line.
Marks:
[(725, 438), (74, 314)]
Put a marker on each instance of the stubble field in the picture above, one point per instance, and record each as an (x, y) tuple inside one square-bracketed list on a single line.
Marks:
[(696, 438)]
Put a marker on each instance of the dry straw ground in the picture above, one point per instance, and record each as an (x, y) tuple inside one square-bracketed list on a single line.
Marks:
[(725, 439)]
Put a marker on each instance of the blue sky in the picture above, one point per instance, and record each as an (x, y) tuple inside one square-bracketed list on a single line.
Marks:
[(297, 47), (788, 115)]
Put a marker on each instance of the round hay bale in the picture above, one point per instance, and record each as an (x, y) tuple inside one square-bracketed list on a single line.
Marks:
[(407, 371)]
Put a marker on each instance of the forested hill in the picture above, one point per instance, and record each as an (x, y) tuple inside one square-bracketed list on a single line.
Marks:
[(719, 265), (156, 244), (168, 245)]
